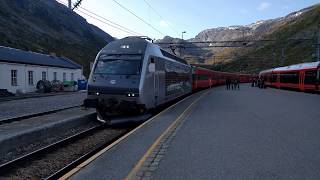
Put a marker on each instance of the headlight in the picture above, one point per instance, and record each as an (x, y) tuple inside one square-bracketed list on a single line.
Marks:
[(132, 95)]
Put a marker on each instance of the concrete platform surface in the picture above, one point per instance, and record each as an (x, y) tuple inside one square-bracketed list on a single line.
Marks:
[(246, 134), (119, 160), (20, 133), (24, 107)]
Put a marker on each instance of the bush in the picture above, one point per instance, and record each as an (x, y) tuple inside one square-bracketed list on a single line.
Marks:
[(44, 86)]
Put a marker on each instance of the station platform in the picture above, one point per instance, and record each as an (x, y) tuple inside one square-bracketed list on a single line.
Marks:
[(218, 134)]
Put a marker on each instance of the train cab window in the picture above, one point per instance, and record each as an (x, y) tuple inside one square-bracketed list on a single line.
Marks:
[(310, 77), (152, 65), (119, 64), (152, 60)]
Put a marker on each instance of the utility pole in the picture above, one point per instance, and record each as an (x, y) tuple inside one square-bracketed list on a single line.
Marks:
[(282, 57), (182, 34), (318, 44), (76, 4), (273, 56), (70, 4)]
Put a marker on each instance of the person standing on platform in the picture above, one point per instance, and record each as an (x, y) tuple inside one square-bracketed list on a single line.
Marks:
[(233, 84), (253, 82), (237, 84), (228, 83)]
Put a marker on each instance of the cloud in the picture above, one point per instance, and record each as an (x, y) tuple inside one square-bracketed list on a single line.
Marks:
[(164, 23), (263, 6)]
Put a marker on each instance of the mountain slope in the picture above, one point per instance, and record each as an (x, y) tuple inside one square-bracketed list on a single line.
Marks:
[(48, 27), (254, 57), (285, 50)]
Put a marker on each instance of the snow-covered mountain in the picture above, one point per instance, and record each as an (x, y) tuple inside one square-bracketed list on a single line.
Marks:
[(296, 25)]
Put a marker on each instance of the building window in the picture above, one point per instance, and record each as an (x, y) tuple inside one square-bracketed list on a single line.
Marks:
[(54, 76), (72, 77), (64, 76), (30, 77), (14, 80), (44, 76)]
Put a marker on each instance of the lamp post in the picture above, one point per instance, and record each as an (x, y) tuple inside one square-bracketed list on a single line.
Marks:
[(69, 4), (183, 32), (318, 44)]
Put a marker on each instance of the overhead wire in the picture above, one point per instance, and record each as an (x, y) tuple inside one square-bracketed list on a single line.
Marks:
[(137, 33), (160, 16), (105, 21), (141, 19)]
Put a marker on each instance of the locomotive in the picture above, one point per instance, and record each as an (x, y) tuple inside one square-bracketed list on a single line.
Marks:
[(133, 76)]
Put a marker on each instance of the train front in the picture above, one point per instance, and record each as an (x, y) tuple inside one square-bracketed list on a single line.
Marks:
[(113, 86)]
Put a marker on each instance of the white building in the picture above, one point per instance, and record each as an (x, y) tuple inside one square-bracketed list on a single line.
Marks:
[(21, 70)]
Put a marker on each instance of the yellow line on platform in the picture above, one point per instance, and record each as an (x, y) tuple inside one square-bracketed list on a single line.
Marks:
[(88, 161), (140, 163)]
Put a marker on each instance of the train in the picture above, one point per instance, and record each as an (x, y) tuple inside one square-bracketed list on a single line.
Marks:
[(205, 78), (302, 77), (133, 75)]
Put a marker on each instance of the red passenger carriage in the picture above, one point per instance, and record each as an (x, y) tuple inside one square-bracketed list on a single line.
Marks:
[(303, 77), (205, 78)]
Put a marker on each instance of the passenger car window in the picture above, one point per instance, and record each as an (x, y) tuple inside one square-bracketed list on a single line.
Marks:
[(310, 77)]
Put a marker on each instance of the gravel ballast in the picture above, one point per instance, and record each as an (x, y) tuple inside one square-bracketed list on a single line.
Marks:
[(46, 165)]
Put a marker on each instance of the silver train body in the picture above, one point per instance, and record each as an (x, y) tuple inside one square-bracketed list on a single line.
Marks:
[(133, 75)]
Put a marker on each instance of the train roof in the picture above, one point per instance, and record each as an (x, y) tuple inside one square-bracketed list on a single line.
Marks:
[(309, 65), (229, 73), (266, 71), (136, 45), (174, 57)]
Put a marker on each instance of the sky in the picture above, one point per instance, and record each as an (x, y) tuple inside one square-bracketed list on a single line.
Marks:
[(172, 17)]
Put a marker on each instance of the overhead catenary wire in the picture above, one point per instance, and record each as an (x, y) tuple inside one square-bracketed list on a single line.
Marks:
[(153, 9), (141, 19), (134, 32), (106, 22), (109, 23)]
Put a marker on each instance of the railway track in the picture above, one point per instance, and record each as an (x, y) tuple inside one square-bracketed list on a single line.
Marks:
[(55, 160), (21, 118), (62, 155)]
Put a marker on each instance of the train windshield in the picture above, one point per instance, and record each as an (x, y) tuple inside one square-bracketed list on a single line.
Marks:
[(119, 64)]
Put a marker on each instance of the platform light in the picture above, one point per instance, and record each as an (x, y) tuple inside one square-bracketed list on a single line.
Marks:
[(97, 93)]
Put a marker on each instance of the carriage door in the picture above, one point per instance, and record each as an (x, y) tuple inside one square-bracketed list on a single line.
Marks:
[(154, 68), (301, 80), (157, 82)]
